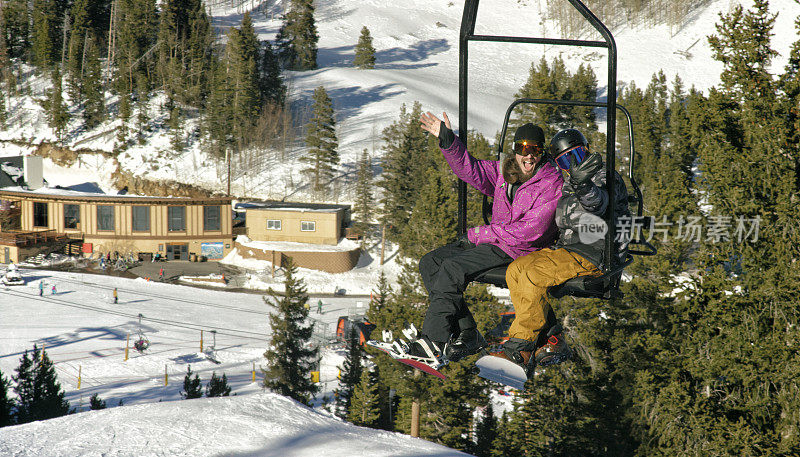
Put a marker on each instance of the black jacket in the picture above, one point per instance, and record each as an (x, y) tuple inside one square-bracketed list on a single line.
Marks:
[(579, 217)]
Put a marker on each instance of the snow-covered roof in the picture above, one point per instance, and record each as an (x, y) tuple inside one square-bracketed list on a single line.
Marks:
[(289, 246), (302, 210), (11, 170), (290, 206), (56, 193)]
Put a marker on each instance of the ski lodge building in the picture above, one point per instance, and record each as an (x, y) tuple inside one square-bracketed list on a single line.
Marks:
[(176, 228), (35, 219)]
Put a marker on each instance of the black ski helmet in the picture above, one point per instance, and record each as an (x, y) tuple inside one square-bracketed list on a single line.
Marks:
[(566, 139)]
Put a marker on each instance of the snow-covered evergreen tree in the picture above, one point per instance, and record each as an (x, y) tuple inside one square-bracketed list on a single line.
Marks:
[(365, 408), (365, 52), (297, 38), (323, 155), (95, 402), (6, 402), (289, 359), (191, 387), (350, 375), (218, 387)]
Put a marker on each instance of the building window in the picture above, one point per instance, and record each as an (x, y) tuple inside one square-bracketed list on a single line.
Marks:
[(308, 226), (40, 214), (211, 218), (105, 217), (176, 216), (72, 216), (140, 218), (273, 224)]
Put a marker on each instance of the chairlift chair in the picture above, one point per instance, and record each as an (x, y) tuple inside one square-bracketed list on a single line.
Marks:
[(142, 343), (605, 286)]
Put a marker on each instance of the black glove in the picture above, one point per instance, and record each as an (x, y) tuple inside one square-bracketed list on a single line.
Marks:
[(446, 136), (580, 175), (464, 239)]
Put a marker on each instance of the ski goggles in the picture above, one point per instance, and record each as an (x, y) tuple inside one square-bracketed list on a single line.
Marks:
[(579, 152), (526, 148)]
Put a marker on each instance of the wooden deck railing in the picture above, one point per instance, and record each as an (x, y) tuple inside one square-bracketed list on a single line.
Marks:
[(20, 238)]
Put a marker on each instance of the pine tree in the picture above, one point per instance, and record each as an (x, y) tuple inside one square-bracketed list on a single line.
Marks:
[(199, 58), (365, 407), (433, 220), (57, 114), (49, 399), (379, 299), (175, 123), (408, 154), (297, 38), (136, 30), (289, 361), (46, 36), (92, 85), (218, 114), (39, 394), (485, 433), (24, 387), (273, 89), (241, 58), (184, 52), (362, 209), (321, 139), (191, 387), (6, 403), (79, 27), (448, 417), (124, 113), (350, 375), (502, 444), (365, 52), (16, 19), (3, 112), (95, 402), (218, 387)]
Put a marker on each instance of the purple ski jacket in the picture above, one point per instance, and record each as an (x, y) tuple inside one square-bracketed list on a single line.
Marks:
[(518, 228)]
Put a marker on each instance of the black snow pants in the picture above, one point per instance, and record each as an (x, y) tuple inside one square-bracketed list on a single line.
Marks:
[(446, 272)]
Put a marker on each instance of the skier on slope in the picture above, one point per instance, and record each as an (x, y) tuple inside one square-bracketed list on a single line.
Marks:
[(578, 252), (526, 187)]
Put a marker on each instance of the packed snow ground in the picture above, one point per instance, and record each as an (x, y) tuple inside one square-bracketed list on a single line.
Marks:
[(262, 425), (85, 334)]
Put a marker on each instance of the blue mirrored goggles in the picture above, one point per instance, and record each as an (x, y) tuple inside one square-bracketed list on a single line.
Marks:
[(579, 152)]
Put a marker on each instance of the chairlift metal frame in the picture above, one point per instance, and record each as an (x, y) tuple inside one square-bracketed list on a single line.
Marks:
[(608, 283)]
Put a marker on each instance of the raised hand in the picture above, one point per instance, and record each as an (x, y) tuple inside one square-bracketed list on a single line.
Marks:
[(432, 124)]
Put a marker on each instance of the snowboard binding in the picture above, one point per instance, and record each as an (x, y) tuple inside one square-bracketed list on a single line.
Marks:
[(400, 350)]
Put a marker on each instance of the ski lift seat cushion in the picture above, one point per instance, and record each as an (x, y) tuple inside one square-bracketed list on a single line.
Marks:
[(496, 276), (583, 286)]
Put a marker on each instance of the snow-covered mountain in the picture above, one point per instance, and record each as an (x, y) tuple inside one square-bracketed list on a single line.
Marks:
[(417, 60)]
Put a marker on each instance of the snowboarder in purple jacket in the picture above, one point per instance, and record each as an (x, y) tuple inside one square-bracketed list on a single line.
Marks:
[(526, 187)]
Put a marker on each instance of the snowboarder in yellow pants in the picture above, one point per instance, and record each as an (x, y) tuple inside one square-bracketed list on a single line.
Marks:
[(529, 277)]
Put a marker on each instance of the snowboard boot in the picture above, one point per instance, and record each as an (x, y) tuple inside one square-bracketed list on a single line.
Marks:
[(426, 350), (555, 350), (520, 352), (468, 342)]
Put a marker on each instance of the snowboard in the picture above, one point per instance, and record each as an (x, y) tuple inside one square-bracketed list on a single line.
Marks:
[(501, 371), (408, 360)]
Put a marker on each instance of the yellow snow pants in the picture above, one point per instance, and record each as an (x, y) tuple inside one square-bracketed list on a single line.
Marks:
[(528, 278)]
